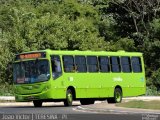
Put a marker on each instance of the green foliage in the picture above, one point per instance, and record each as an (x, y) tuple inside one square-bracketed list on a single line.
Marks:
[(155, 28), (151, 53), (150, 91), (154, 80), (125, 44), (5, 57), (6, 89)]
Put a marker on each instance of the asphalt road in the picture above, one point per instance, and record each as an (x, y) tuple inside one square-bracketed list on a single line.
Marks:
[(59, 112)]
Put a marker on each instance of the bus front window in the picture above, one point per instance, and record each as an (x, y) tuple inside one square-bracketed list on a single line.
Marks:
[(31, 71)]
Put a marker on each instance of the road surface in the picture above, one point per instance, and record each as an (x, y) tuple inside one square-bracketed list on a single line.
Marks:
[(59, 112)]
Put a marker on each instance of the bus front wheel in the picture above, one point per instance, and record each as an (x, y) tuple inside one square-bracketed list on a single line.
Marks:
[(117, 96), (37, 103), (69, 98)]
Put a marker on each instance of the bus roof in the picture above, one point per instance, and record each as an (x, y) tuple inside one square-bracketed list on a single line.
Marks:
[(87, 52)]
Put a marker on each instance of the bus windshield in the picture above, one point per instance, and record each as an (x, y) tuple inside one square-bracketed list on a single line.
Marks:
[(31, 71)]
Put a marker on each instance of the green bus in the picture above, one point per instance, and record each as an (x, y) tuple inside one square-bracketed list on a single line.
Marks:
[(52, 75)]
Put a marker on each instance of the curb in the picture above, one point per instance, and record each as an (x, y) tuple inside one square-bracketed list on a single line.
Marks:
[(44, 103), (7, 98), (145, 98), (127, 98), (29, 104)]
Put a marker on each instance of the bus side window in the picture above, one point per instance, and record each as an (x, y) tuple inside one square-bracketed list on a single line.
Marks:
[(136, 64), (126, 64), (115, 64), (68, 63), (104, 64), (80, 62), (92, 64), (56, 66)]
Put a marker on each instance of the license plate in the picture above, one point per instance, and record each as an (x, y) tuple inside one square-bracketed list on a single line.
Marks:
[(31, 98)]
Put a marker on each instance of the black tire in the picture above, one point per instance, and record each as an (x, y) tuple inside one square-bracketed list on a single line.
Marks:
[(117, 96), (87, 101), (37, 103), (69, 98)]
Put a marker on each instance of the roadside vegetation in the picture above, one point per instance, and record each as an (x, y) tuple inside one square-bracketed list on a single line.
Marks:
[(6, 90), (108, 25), (140, 104)]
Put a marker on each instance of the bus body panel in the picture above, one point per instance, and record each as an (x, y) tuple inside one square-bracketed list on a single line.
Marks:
[(86, 85)]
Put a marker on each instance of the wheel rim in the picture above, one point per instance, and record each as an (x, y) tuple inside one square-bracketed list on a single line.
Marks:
[(118, 96), (70, 98)]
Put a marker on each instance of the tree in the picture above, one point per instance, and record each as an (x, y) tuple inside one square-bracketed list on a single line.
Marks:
[(130, 25), (5, 57), (134, 15)]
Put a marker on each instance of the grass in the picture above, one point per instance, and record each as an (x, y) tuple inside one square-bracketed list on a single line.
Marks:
[(155, 105)]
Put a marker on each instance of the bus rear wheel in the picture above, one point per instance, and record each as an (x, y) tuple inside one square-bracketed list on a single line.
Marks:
[(37, 103), (117, 96), (69, 98)]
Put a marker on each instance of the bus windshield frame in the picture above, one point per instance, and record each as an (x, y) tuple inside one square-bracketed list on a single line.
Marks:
[(31, 71)]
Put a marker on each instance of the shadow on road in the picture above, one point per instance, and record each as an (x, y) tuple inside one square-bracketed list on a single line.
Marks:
[(50, 106)]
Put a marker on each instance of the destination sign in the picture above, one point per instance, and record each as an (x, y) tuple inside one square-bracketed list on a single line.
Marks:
[(30, 56)]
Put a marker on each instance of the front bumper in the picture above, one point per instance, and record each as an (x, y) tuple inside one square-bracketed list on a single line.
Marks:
[(31, 97)]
